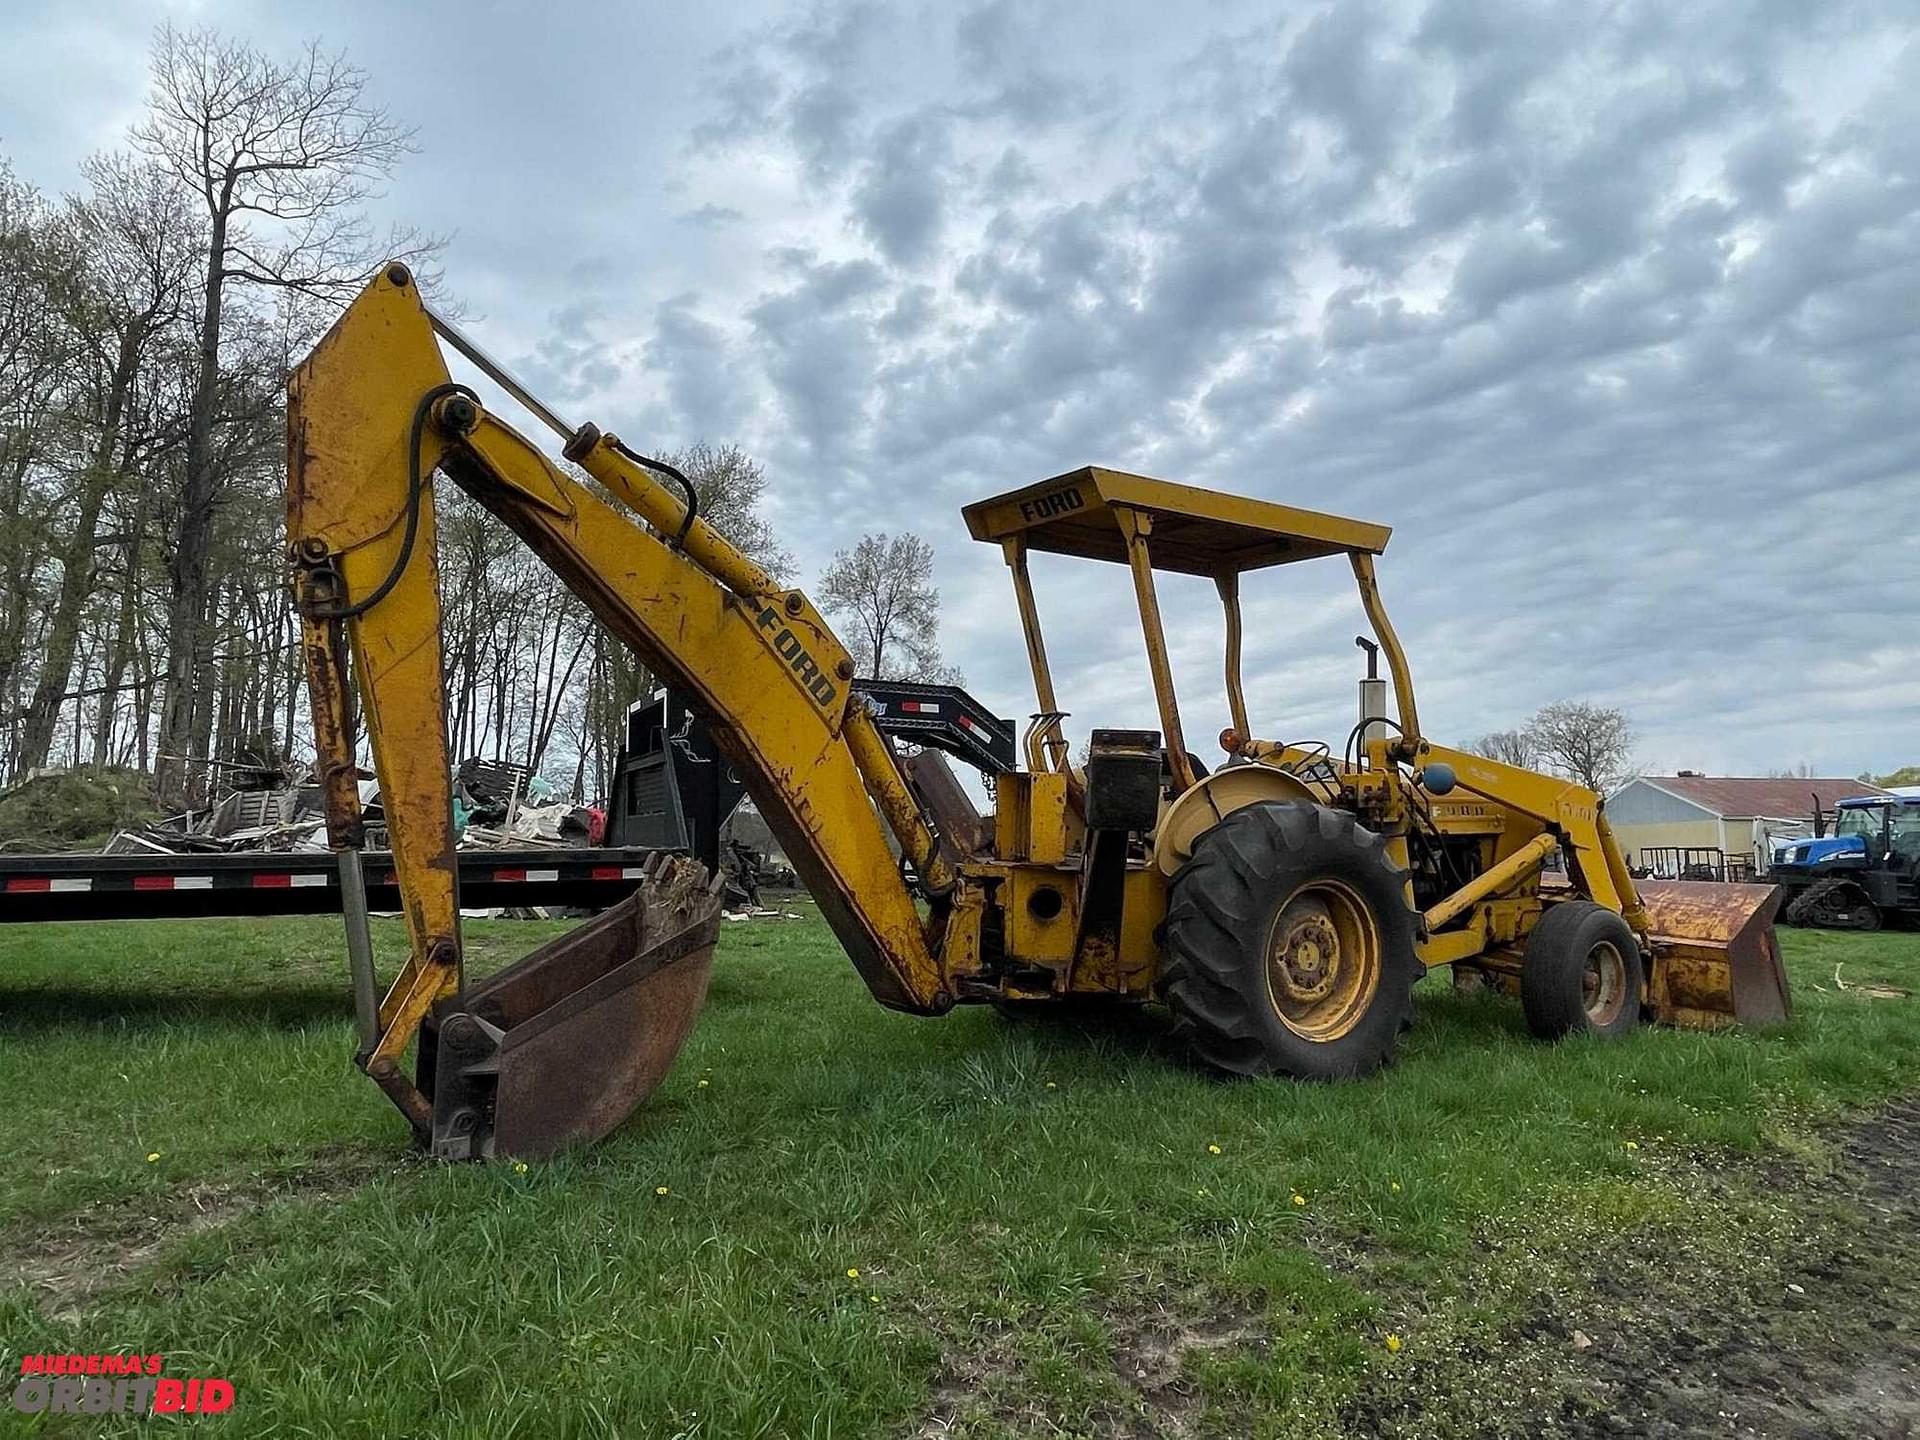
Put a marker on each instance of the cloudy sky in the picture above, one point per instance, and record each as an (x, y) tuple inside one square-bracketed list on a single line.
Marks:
[(1612, 311)]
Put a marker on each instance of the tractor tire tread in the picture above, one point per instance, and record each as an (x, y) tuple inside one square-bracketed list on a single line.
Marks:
[(1551, 995), (1214, 978)]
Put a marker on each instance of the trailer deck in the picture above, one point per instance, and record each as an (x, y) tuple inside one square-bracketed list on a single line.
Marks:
[(159, 887)]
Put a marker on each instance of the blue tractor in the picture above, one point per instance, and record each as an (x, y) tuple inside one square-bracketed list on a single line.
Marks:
[(1864, 874)]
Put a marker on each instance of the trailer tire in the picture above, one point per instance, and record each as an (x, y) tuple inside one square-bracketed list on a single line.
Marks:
[(1583, 974), (1289, 945)]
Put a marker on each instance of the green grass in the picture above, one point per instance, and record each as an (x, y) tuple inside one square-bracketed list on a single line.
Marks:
[(1045, 1241)]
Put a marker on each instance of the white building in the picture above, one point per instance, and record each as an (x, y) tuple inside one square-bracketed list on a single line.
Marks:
[(1658, 818)]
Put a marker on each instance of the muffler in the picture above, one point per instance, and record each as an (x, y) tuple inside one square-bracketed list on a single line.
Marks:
[(559, 1048), (1715, 959)]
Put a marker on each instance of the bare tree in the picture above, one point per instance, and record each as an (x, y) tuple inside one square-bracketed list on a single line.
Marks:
[(37, 351), (883, 588), (731, 485), (1589, 743), (136, 241), (1509, 747), (282, 157)]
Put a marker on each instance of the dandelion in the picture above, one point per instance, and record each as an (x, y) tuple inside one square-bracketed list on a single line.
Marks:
[(873, 1299), (660, 1190), (153, 1157), (1299, 1199), (705, 1083), (1052, 1086), (1203, 1193), (853, 1272), (1395, 1187), (519, 1167), (1393, 1344), (1213, 1149), (1633, 1144)]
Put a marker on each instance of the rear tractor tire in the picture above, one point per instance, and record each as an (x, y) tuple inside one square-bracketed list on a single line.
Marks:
[(1583, 973), (1290, 945)]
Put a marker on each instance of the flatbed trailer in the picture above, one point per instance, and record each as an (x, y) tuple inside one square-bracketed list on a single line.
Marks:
[(161, 887)]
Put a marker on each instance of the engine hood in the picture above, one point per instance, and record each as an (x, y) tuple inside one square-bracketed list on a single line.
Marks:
[(1824, 851)]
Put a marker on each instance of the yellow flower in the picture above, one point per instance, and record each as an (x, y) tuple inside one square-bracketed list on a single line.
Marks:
[(1299, 1199), (659, 1189), (152, 1156), (1393, 1344), (853, 1272), (519, 1167), (1395, 1187), (873, 1299), (1213, 1149), (1633, 1145), (1200, 1192), (1052, 1086), (705, 1083)]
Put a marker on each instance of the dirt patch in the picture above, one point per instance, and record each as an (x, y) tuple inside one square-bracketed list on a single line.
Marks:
[(1817, 1336), (1830, 1348), (67, 1263), (1151, 1392), (1150, 1354)]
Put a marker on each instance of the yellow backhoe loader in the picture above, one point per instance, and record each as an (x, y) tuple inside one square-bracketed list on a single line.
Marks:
[(1282, 906)]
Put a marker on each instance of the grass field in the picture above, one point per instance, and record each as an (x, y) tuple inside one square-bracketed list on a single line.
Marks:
[(836, 1221)]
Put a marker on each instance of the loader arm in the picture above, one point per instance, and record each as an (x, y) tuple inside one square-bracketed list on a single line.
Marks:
[(373, 415)]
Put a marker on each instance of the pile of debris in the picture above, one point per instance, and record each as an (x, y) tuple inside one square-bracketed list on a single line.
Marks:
[(497, 805), (265, 809), (500, 805)]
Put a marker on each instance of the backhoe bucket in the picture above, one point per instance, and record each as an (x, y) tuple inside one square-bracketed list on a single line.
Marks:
[(557, 1049), (1715, 960)]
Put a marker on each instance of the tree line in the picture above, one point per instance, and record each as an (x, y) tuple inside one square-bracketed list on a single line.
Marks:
[(148, 320)]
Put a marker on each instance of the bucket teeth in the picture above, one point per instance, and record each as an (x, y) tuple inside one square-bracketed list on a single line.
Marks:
[(560, 1047)]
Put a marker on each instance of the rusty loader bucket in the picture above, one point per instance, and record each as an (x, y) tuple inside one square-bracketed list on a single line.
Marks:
[(558, 1048), (1715, 959)]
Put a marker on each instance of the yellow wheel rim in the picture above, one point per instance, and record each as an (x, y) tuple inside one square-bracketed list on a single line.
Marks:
[(1323, 960)]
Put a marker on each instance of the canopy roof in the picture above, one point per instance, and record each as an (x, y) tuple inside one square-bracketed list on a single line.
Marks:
[(1199, 532)]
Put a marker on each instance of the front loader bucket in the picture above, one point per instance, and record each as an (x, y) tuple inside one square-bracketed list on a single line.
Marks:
[(558, 1048), (1715, 959)]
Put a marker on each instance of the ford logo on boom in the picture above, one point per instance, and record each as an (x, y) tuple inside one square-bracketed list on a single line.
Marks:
[(788, 647)]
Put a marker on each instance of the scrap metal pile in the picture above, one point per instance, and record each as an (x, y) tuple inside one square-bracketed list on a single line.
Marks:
[(497, 806)]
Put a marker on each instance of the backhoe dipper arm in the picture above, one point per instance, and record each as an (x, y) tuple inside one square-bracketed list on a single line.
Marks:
[(372, 415)]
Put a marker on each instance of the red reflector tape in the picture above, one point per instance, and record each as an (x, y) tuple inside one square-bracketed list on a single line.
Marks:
[(273, 882), (153, 882), (506, 875), (16, 883)]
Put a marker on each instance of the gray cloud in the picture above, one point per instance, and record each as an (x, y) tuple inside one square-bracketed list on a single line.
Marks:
[(898, 202), (1612, 310)]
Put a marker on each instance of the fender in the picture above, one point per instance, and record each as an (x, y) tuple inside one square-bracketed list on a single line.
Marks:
[(1213, 799)]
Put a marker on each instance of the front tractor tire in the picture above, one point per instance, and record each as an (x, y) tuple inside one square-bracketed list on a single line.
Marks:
[(1583, 973), (1290, 945)]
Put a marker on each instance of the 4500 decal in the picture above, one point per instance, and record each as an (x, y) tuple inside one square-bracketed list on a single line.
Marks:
[(789, 647)]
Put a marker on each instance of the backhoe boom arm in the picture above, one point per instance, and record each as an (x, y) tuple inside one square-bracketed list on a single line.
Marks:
[(373, 414)]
